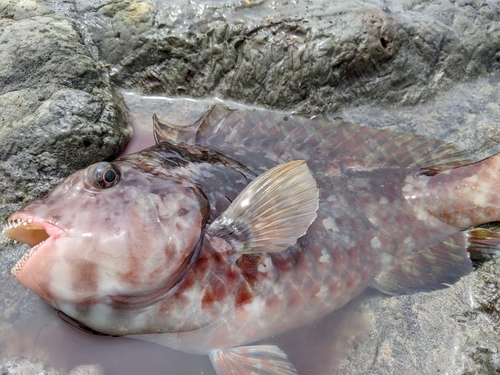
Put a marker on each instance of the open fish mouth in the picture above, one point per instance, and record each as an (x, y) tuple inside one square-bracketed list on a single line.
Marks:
[(31, 231)]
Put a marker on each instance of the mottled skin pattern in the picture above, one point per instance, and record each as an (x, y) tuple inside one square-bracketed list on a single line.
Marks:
[(375, 216), (475, 201)]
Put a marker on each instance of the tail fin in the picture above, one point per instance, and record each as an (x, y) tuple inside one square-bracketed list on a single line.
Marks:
[(484, 242)]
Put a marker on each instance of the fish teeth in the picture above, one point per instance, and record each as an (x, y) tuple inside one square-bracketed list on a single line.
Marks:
[(13, 224), (20, 263)]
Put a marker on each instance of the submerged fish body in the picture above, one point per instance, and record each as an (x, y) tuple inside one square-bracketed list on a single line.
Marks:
[(167, 245)]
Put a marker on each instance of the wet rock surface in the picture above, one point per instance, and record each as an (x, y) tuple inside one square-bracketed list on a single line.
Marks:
[(24, 366), (379, 63), (58, 114), (310, 56)]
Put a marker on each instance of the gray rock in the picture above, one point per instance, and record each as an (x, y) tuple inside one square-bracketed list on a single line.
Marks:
[(58, 113), (87, 370), (25, 366), (311, 56), (22, 9)]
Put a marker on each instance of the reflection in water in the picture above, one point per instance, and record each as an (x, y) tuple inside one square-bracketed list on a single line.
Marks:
[(45, 337), (313, 349), (177, 111)]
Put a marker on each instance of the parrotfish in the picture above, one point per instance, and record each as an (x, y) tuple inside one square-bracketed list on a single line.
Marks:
[(250, 223)]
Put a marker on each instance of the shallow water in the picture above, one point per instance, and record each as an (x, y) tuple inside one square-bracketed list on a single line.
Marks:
[(45, 337)]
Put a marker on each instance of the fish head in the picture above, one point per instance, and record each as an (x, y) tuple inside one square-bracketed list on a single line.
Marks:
[(121, 233)]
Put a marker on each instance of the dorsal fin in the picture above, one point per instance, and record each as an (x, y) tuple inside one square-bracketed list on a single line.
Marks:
[(165, 131)]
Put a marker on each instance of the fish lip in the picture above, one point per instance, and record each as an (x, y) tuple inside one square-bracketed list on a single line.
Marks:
[(14, 230)]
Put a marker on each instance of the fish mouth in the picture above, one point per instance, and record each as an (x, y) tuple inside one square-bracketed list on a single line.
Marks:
[(32, 231)]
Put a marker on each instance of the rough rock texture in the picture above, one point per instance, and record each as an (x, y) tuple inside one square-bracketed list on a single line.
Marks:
[(391, 64), (58, 114), (312, 56), (24, 366)]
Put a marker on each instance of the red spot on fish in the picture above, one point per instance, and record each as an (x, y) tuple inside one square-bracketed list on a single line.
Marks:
[(214, 292), (202, 265), (248, 261), (353, 255), (217, 256), (208, 297), (233, 275), (282, 263), (243, 295), (248, 264)]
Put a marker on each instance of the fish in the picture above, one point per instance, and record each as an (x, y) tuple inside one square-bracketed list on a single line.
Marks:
[(249, 223)]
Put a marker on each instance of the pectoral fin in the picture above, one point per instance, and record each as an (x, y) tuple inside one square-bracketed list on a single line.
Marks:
[(272, 212), (249, 360)]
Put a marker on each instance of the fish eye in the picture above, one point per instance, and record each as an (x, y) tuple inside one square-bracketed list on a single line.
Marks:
[(105, 175)]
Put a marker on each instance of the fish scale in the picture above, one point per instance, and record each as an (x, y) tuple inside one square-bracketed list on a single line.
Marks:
[(358, 199), (189, 244)]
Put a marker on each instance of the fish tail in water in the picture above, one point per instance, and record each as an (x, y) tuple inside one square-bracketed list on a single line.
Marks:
[(483, 243)]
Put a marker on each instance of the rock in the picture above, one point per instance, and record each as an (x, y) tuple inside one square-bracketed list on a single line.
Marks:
[(22, 9), (25, 366), (87, 370), (314, 56), (58, 113)]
